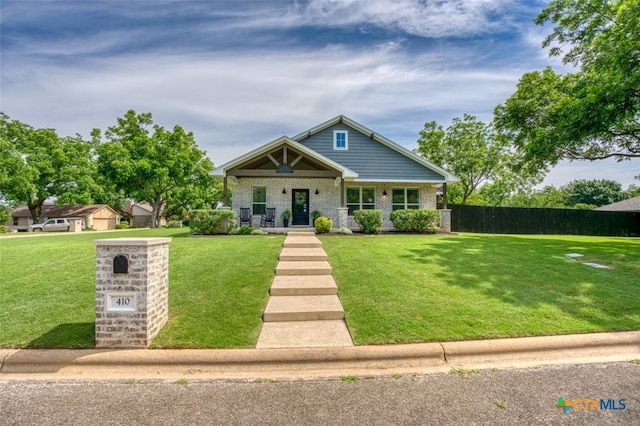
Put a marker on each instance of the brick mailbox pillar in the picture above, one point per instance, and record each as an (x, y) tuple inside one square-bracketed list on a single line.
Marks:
[(132, 291)]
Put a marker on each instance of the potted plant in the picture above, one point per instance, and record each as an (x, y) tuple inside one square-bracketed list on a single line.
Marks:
[(286, 215)]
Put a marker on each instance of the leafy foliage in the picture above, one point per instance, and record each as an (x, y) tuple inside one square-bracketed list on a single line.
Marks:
[(593, 113), (345, 231), (36, 164), (323, 225), (476, 153), (3, 229), (159, 167), (596, 192), (212, 222), (425, 221), (370, 221)]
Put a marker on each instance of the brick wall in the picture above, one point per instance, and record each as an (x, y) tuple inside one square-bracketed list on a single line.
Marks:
[(145, 289), (328, 199)]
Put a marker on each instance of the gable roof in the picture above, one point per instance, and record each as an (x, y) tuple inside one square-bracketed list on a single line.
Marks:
[(629, 205), (67, 210), (449, 177), (221, 171)]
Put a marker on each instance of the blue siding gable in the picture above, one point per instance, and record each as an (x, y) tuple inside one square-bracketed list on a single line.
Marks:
[(371, 159)]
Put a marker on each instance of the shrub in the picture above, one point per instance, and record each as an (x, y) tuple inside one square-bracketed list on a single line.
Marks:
[(370, 221), (122, 225), (258, 231), (245, 230), (345, 231), (323, 225), (314, 215), (425, 221), (212, 222), (4, 229), (174, 224)]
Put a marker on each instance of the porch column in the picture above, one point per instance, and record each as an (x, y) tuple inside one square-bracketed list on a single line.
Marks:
[(444, 195), (445, 220), (225, 198), (342, 192)]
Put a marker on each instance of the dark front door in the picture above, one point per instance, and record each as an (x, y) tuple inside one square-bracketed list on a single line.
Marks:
[(300, 207)]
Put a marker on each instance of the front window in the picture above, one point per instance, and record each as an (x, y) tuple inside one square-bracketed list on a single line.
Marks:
[(259, 200), (405, 198), (361, 198), (15, 221), (340, 140)]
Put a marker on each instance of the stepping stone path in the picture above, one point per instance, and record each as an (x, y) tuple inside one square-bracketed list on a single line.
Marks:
[(303, 310)]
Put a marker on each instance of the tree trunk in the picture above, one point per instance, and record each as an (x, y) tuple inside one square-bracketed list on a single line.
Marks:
[(35, 208), (155, 213)]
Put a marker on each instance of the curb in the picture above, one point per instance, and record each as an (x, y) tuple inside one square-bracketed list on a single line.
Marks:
[(319, 362)]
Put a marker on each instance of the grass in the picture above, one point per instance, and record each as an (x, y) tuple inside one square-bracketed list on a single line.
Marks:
[(395, 288), (218, 289), (412, 288)]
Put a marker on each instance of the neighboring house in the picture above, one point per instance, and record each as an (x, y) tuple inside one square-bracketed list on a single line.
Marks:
[(97, 216), (139, 214), (336, 168), (629, 205)]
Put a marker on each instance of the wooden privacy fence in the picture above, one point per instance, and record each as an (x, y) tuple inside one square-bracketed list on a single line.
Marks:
[(516, 220)]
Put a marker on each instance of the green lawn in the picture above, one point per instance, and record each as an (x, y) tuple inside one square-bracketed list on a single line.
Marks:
[(395, 288), (412, 288), (218, 289)]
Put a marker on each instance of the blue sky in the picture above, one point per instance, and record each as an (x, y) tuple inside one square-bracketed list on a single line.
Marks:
[(239, 74)]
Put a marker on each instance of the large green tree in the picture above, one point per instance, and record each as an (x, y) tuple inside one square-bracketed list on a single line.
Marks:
[(475, 152), (151, 166), (595, 192), (590, 114), (37, 164)]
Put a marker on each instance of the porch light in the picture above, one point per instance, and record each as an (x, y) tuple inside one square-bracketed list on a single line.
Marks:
[(317, 192), (384, 192), (284, 191)]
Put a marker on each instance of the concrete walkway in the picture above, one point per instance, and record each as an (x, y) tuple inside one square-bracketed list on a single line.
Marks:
[(303, 310)]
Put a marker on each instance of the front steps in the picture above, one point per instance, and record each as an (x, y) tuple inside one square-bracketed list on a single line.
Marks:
[(304, 309)]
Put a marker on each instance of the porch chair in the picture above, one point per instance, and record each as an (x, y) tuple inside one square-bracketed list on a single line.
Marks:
[(269, 218), (245, 216)]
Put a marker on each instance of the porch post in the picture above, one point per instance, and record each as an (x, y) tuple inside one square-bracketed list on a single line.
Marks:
[(225, 198), (342, 192), (444, 196)]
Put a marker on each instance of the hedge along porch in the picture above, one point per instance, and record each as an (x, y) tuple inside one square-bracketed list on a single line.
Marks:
[(336, 167)]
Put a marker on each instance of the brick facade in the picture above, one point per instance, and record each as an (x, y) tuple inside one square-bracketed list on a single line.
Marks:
[(327, 201), (143, 291)]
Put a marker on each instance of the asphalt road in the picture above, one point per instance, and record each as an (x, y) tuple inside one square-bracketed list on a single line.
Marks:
[(503, 397)]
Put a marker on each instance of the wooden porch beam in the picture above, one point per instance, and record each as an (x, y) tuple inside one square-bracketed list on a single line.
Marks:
[(225, 198), (274, 173), (444, 196), (294, 162), (273, 160)]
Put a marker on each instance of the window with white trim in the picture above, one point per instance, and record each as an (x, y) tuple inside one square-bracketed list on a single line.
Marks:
[(360, 198), (259, 200), (340, 140), (405, 198)]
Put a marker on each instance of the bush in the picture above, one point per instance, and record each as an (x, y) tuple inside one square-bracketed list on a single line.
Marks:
[(323, 225), (4, 229), (212, 222), (370, 221), (345, 231), (174, 224), (122, 225), (245, 230), (314, 215), (258, 231), (426, 221)]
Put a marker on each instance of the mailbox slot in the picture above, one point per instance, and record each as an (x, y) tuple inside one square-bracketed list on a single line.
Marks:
[(120, 264)]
